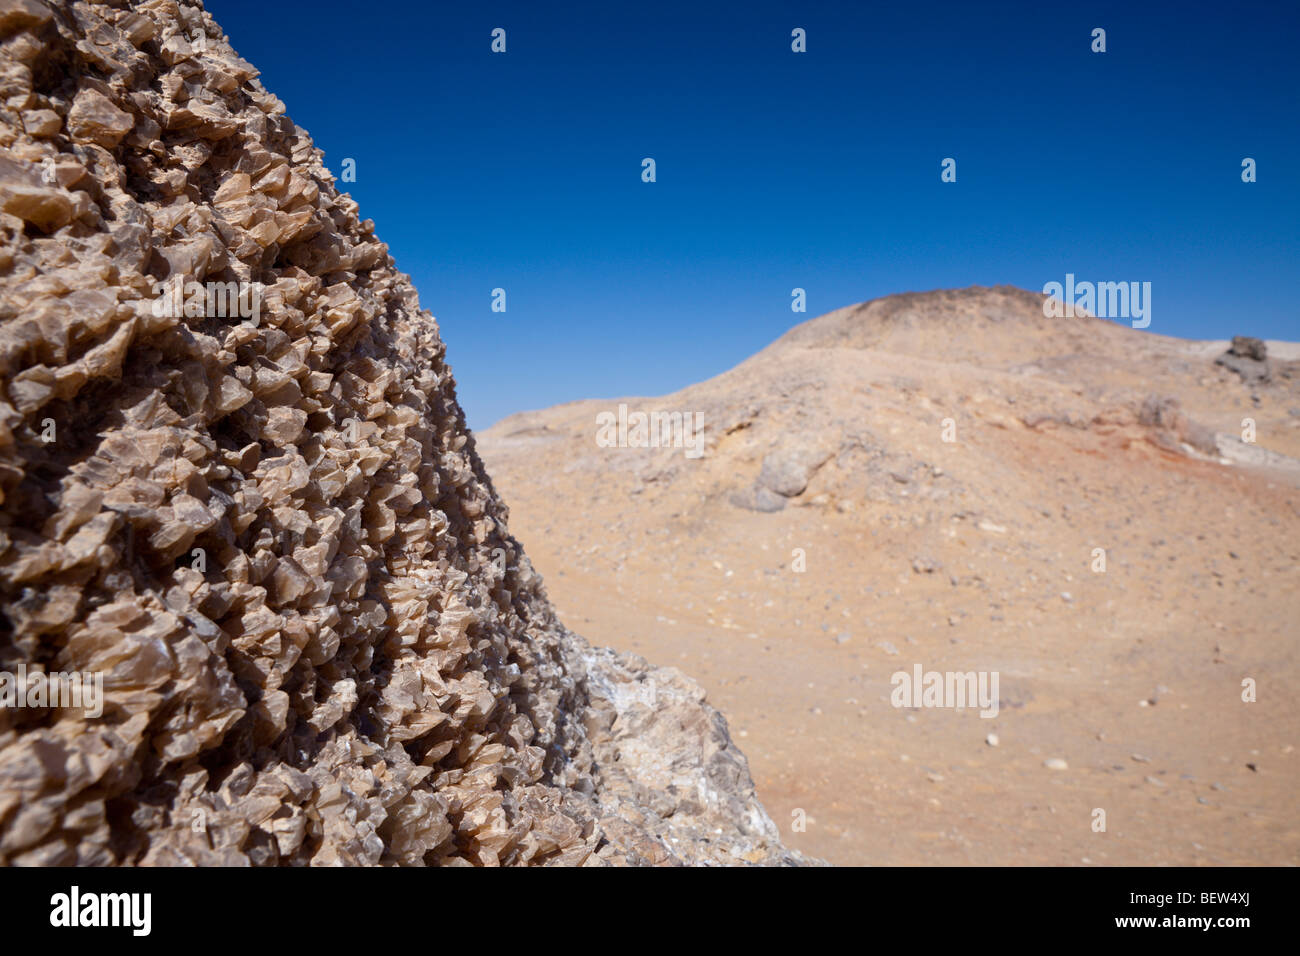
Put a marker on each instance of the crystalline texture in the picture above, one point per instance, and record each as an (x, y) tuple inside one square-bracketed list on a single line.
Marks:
[(271, 534)]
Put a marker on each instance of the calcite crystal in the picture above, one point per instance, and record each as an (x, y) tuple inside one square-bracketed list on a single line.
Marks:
[(238, 490)]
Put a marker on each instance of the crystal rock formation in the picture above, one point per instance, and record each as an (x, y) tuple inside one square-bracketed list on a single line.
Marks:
[(258, 517)]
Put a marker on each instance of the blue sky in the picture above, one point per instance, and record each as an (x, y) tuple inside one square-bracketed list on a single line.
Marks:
[(777, 170)]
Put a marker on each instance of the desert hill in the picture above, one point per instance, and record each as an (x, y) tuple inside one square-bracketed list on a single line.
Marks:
[(944, 466)]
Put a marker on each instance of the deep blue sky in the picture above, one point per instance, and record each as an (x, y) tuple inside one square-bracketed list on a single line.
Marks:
[(776, 169)]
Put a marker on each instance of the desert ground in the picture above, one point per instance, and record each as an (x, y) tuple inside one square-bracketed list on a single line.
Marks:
[(962, 459)]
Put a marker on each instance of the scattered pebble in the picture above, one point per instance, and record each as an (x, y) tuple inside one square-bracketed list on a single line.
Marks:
[(1055, 763), (991, 740), (924, 564)]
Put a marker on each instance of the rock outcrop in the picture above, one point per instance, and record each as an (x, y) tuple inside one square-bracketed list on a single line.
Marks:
[(1248, 357), (785, 473), (237, 488), (1171, 427)]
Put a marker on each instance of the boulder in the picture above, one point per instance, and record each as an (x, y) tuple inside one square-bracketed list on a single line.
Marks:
[(1248, 357)]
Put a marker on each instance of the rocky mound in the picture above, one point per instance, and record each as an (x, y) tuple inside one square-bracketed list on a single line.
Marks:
[(955, 325), (238, 490), (1102, 515)]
